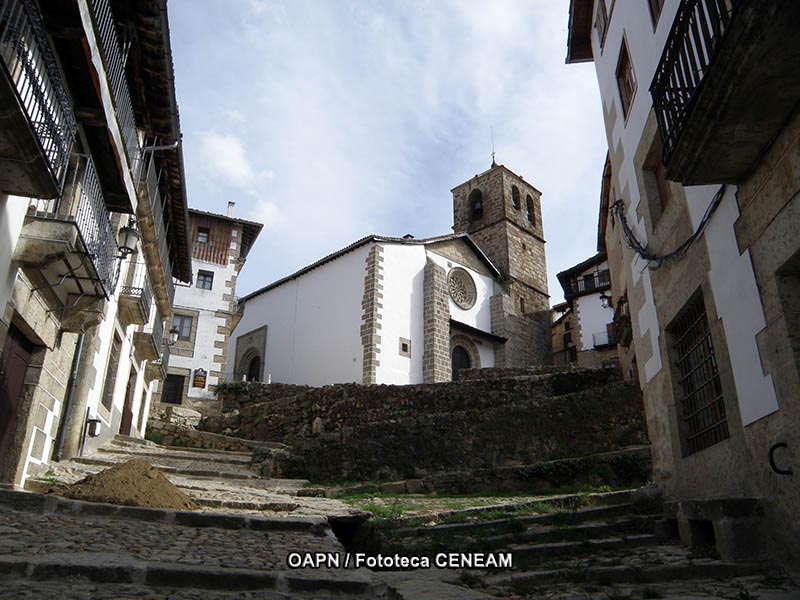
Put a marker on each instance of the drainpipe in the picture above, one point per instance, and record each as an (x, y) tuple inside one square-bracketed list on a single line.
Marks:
[(62, 425)]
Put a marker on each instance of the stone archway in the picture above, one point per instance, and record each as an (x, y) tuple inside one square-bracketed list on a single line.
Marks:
[(463, 355)]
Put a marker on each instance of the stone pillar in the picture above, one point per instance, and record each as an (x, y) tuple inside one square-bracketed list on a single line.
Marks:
[(436, 363), (371, 319)]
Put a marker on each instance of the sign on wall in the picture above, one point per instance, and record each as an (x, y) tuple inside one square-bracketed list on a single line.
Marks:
[(199, 379)]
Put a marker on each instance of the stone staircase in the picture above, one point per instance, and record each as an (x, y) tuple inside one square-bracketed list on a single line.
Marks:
[(619, 547)]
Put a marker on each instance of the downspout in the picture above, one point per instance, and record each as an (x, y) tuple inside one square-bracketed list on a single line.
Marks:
[(73, 376)]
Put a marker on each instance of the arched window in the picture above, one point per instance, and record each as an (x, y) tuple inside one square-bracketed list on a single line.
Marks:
[(460, 361), (515, 196), (531, 213), (476, 204), (254, 369)]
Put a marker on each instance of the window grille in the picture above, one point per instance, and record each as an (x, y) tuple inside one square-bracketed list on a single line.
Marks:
[(702, 408)]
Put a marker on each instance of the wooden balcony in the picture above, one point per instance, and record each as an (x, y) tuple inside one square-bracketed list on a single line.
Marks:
[(37, 124), (727, 81), (68, 250)]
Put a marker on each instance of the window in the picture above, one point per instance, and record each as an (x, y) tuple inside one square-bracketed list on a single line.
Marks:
[(405, 347), (205, 280), (601, 21), (476, 204), (531, 213), (701, 406), (656, 186), (183, 323), (173, 389), (655, 10), (111, 373), (626, 80), (521, 305), (515, 196), (202, 235)]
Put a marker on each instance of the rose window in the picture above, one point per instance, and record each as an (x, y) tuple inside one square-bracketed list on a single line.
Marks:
[(462, 288)]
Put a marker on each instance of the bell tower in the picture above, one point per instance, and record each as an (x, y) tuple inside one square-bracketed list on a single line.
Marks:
[(503, 215)]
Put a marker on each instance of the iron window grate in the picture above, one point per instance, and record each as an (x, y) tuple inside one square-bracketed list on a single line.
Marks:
[(702, 405)]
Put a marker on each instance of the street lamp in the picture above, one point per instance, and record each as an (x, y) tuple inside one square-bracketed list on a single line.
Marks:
[(173, 336), (127, 239)]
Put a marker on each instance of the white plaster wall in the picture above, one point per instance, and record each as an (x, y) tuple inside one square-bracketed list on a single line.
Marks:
[(206, 302), (314, 323), (480, 315), (12, 213), (731, 276), (402, 313), (486, 352), (593, 318)]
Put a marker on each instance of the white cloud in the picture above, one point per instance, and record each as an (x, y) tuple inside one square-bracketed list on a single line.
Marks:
[(225, 157)]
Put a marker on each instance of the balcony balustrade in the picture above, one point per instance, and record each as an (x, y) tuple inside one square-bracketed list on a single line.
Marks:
[(136, 295), (149, 341), (592, 282), (726, 83), (38, 124), (68, 249)]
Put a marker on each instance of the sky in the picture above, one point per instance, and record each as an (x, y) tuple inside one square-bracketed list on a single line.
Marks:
[(328, 120)]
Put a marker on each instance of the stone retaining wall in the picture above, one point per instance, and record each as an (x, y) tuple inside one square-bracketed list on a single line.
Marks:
[(169, 434)]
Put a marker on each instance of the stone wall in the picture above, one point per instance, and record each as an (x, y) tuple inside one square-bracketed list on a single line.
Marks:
[(359, 432), (170, 434), (236, 394)]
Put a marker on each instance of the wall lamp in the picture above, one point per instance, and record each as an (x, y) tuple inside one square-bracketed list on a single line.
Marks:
[(127, 239), (93, 427), (173, 336)]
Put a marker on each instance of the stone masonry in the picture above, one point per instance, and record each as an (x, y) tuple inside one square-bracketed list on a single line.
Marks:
[(436, 365), (371, 321)]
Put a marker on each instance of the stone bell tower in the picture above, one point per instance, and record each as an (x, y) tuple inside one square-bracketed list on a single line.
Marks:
[(503, 214)]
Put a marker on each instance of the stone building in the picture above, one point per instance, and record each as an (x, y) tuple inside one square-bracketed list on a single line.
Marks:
[(701, 197), (92, 223), (205, 312), (565, 352), (592, 334), (402, 310)]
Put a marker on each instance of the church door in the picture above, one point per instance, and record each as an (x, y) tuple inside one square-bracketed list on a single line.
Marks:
[(460, 361), (254, 369)]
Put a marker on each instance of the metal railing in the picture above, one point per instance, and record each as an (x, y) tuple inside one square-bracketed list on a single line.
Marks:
[(83, 204), (137, 284), (151, 178), (697, 31), (115, 55), (29, 61), (588, 283)]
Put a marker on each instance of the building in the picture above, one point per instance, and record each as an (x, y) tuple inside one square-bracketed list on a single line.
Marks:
[(565, 352), (589, 338), (92, 222), (702, 213), (205, 312), (402, 310)]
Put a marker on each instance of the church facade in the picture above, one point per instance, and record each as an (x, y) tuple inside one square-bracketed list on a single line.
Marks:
[(405, 310)]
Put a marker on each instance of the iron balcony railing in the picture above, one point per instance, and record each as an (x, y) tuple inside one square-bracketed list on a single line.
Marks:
[(30, 65), (588, 283), (115, 55), (151, 178), (697, 31), (83, 204), (137, 284)]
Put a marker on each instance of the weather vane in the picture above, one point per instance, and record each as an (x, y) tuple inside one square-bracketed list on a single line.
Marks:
[(491, 129)]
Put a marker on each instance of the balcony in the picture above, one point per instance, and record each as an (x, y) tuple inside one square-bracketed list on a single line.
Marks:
[(587, 284), (68, 250), (602, 339), (157, 369), (727, 81), (136, 296), (37, 126), (148, 342)]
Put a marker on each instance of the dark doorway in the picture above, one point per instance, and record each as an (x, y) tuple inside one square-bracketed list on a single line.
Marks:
[(173, 389), (127, 409), (13, 366), (460, 361), (254, 369)]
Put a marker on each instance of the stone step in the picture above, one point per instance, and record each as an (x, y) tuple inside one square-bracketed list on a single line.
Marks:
[(551, 549), (168, 468), (216, 457), (529, 581), (151, 446)]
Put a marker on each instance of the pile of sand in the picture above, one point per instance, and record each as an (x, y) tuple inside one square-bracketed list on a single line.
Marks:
[(134, 483)]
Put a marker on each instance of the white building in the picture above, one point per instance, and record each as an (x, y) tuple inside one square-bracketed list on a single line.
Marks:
[(205, 311), (700, 195), (381, 310)]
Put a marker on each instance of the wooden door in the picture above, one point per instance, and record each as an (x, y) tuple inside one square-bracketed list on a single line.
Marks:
[(13, 366), (127, 409)]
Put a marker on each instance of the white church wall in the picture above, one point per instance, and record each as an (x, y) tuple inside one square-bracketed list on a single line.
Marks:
[(313, 322), (486, 352), (402, 313), (480, 315)]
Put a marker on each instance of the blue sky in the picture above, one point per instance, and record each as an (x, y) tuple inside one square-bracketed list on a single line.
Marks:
[(328, 120)]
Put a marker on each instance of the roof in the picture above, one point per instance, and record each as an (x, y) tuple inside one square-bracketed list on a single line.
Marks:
[(505, 168), (579, 37), (158, 108), (405, 241), (605, 198), (581, 266), (250, 229)]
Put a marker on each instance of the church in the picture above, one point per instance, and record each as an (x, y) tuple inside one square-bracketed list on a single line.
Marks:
[(405, 310)]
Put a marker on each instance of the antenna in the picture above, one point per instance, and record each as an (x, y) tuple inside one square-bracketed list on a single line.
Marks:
[(491, 129)]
